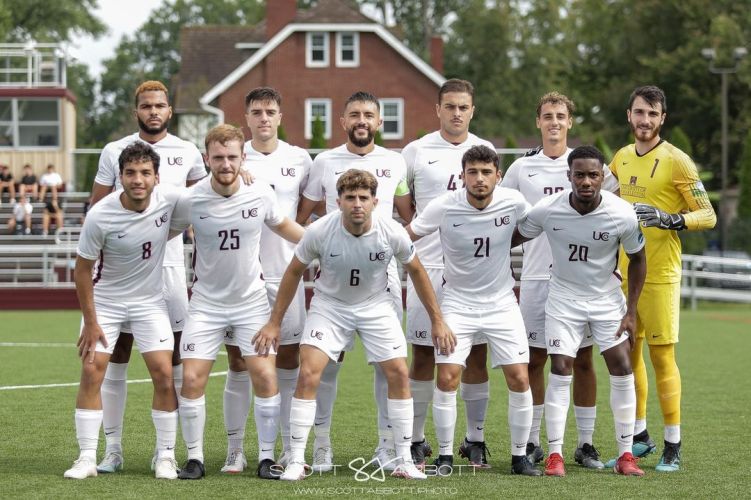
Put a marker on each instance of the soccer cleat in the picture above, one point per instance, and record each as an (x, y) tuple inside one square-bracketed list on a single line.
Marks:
[(534, 453), (643, 445), (588, 456), (408, 470), (235, 462), (112, 462), (265, 470), (554, 465), (193, 469), (285, 458), (476, 452), (386, 458), (444, 465), (523, 466), (153, 461), (166, 468), (626, 465), (670, 461), (82, 468), (419, 452), (295, 471), (323, 459)]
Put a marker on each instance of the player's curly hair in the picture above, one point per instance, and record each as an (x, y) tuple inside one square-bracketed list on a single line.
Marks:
[(138, 152), (650, 93), (480, 154), (150, 86), (354, 179), (263, 94), (556, 97), (585, 152), (223, 134)]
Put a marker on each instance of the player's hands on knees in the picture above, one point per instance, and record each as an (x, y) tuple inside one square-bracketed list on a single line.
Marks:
[(90, 335), (266, 338), (247, 177), (443, 338), (628, 327)]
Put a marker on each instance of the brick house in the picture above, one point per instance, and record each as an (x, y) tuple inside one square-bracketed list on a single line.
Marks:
[(316, 58)]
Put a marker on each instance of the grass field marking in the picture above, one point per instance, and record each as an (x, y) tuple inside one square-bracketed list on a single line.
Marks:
[(36, 344), (74, 384)]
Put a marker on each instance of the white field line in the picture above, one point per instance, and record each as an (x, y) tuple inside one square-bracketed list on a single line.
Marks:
[(74, 384), (36, 344)]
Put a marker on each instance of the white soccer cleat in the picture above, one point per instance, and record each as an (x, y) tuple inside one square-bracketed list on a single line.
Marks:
[(323, 459), (112, 462), (82, 468), (408, 470), (386, 458), (285, 458), (235, 462), (153, 462), (165, 468), (295, 471)]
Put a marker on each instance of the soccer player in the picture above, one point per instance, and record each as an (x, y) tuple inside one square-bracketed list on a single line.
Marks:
[(434, 166), (126, 236), (540, 173), (354, 247), (228, 292), (585, 229), (664, 186), (475, 225), (182, 165), (361, 119)]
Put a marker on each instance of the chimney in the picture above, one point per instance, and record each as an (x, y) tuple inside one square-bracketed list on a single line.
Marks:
[(279, 13), (436, 53)]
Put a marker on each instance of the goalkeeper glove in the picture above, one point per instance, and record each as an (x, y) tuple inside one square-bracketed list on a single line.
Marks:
[(650, 216)]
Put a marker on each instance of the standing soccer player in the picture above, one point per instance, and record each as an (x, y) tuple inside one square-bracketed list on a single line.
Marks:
[(434, 166), (585, 229), (543, 172), (126, 236), (475, 225), (228, 291), (663, 184), (354, 247), (360, 120), (181, 165)]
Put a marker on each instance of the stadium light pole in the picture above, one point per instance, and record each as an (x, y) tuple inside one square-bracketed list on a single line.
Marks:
[(711, 55)]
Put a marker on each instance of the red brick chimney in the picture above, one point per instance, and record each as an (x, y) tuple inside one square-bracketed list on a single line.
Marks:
[(436, 53), (279, 13)]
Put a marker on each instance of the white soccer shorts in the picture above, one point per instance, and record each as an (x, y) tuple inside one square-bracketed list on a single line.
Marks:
[(294, 319), (147, 318), (175, 293)]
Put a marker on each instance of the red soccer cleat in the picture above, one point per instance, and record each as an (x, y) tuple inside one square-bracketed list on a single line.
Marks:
[(627, 466), (554, 465)]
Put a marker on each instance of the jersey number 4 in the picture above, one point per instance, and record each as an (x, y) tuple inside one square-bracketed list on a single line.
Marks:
[(230, 239)]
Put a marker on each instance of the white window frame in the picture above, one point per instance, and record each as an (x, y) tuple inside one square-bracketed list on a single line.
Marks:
[(309, 116), (15, 124), (340, 62), (309, 62), (399, 134)]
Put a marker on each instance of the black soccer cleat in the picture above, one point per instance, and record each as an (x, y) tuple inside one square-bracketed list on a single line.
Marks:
[(193, 469), (643, 444), (521, 465), (535, 453), (420, 451), (265, 471), (476, 452), (444, 465)]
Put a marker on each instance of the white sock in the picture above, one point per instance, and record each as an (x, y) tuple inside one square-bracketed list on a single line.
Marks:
[(557, 399), (381, 391), (287, 380), (236, 408), (165, 423), (192, 423), (325, 405), (534, 431), (623, 404), (585, 423), (640, 425), (673, 433), (422, 395), (302, 413), (177, 378), (476, 397), (87, 432), (519, 420), (401, 414), (266, 412), (114, 394), (444, 420)]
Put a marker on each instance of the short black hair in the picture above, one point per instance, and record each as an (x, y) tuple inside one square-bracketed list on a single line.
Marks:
[(139, 152), (650, 93), (263, 94), (586, 152), (362, 96), (456, 85), (481, 154)]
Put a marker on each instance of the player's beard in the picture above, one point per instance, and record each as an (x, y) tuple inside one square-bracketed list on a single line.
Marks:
[(153, 130), (360, 143), (478, 196), (653, 132), (223, 179)]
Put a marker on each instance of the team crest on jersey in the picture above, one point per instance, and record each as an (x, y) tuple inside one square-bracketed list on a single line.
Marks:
[(175, 160), (253, 212), (632, 181), (376, 256), (161, 220), (315, 334), (383, 172), (502, 221), (603, 236), (287, 172)]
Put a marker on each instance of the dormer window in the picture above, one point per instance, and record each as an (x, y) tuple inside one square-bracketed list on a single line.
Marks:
[(347, 49), (317, 49)]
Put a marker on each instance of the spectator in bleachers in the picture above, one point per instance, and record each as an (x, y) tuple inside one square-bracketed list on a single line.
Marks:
[(28, 183), (52, 211), (6, 183), (52, 181), (21, 216)]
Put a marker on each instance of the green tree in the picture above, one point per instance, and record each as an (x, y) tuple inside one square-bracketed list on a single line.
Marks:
[(318, 139), (281, 133), (744, 197), (508, 159), (46, 21), (680, 140), (378, 138), (603, 147)]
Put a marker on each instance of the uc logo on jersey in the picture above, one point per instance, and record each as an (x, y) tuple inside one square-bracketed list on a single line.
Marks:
[(604, 236), (374, 256), (287, 172), (174, 160), (502, 221), (253, 212), (383, 172), (161, 220)]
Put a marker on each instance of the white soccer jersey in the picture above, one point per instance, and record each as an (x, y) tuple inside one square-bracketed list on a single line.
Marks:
[(179, 161), (476, 244), (129, 245), (387, 166), (434, 166), (584, 247), (286, 170), (227, 231), (353, 268), (537, 176)]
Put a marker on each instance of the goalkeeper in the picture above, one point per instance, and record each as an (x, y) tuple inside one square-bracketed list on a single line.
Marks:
[(663, 184)]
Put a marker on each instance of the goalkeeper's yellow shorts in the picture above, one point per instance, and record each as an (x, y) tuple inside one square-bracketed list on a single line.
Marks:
[(658, 312)]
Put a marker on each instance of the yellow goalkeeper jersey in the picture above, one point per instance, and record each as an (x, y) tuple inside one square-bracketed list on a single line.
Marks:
[(666, 178)]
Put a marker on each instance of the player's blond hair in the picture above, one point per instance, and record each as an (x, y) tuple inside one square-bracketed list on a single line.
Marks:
[(556, 97), (354, 179), (223, 134), (150, 86)]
